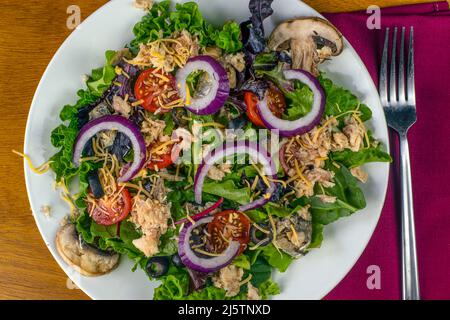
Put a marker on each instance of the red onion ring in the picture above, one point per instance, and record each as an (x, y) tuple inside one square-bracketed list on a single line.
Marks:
[(288, 128), (220, 86), (206, 265), (121, 124), (257, 153), (282, 157), (201, 214)]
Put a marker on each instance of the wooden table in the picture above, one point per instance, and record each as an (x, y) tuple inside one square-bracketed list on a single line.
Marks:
[(30, 33)]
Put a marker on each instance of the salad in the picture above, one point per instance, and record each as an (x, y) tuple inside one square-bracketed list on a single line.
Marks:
[(210, 155)]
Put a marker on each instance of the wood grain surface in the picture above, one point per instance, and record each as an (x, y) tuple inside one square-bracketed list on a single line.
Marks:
[(30, 33)]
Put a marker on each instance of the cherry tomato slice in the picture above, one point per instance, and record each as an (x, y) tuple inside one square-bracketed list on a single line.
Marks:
[(251, 100), (160, 161), (153, 88), (229, 225), (111, 210), (275, 98)]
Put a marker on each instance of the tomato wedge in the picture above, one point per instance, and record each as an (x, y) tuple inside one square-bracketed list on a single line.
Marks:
[(160, 161), (111, 210), (275, 98), (229, 225), (155, 89)]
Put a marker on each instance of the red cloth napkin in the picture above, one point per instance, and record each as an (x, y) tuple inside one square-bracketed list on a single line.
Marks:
[(430, 155)]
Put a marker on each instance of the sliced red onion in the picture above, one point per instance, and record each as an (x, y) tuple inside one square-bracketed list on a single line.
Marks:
[(201, 214), (257, 153), (191, 260), (121, 124), (288, 128), (220, 86), (282, 157)]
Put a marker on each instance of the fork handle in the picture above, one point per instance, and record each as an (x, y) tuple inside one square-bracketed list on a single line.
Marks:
[(409, 254)]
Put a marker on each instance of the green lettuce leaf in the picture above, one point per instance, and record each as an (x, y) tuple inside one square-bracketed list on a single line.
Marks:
[(298, 102), (228, 190), (64, 136), (161, 21), (256, 215), (261, 271), (179, 199), (168, 244), (277, 210), (275, 258), (101, 78), (208, 293), (228, 38), (242, 261), (174, 286), (105, 237), (317, 235), (352, 159), (268, 288), (349, 199), (340, 100)]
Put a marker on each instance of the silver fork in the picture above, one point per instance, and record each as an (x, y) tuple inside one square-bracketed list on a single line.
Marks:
[(399, 102)]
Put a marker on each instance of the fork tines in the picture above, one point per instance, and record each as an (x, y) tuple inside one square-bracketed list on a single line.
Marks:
[(399, 90)]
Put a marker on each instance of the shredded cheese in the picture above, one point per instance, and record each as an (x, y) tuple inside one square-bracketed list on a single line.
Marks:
[(248, 184), (288, 148), (261, 229), (206, 253), (167, 53), (256, 246), (223, 237), (253, 196), (299, 173), (43, 168), (274, 231), (255, 182), (336, 165), (331, 119), (283, 183), (69, 201), (162, 146), (188, 96), (246, 280), (209, 124), (288, 194), (118, 70), (291, 179), (137, 103), (294, 236), (263, 176), (136, 187), (366, 136)]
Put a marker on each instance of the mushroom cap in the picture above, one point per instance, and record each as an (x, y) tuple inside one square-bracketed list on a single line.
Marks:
[(85, 259), (317, 29)]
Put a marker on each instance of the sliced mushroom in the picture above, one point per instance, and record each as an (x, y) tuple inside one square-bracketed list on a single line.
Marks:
[(311, 40), (85, 259), (294, 233)]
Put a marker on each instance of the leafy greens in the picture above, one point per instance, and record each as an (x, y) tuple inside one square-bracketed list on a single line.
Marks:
[(161, 21)]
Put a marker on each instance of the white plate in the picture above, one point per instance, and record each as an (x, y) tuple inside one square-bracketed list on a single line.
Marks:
[(110, 27)]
